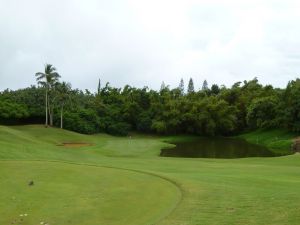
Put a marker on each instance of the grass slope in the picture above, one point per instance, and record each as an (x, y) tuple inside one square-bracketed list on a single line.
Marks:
[(213, 191), (278, 140)]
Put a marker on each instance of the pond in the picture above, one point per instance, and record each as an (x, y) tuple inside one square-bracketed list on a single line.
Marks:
[(217, 148)]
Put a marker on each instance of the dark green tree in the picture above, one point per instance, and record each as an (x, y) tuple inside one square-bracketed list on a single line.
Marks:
[(162, 86), (263, 112), (291, 106), (205, 85), (191, 88), (215, 90), (99, 87), (181, 87)]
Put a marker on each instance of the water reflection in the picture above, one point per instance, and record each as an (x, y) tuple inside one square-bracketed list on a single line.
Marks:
[(217, 148)]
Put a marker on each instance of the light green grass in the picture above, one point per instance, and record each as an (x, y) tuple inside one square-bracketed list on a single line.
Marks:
[(78, 194), (212, 191)]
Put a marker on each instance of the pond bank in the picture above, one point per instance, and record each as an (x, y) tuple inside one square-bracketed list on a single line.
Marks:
[(279, 141)]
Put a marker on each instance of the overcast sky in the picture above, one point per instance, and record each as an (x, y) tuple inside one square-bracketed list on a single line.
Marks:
[(142, 43)]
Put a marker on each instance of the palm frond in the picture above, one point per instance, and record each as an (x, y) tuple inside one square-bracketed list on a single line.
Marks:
[(49, 68), (42, 83), (49, 78), (55, 75), (40, 76)]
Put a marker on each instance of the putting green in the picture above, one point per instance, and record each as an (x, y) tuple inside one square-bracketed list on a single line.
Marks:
[(65, 193)]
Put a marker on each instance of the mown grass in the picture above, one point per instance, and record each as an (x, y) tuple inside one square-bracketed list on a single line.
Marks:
[(212, 191), (79, 194)]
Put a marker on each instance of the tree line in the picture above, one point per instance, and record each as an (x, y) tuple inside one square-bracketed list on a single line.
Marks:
[(214, 110)]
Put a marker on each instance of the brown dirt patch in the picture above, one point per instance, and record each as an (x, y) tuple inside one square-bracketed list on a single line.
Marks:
[(75, 144)]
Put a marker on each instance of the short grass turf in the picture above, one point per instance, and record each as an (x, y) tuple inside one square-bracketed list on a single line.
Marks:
[(181, 191), (63, 193)]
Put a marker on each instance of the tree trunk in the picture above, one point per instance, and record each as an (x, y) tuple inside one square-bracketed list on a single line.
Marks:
[(46, 123), (51, 117), (50, 113), (61, 117)]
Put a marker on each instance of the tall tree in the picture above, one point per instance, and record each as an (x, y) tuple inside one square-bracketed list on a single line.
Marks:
[(181, 86), (215, 90), (99, 87), (162, 86), (205, 85), (47, 80), (63, 90), (191, 88)]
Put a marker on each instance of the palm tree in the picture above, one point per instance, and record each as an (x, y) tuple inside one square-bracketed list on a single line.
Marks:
[(64, 90), (47, 80)]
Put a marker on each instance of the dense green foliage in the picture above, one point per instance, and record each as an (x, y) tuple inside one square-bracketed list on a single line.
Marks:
[(209, 111), (22, 106)]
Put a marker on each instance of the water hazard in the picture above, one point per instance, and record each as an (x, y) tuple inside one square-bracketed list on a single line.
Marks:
[(217, 148)]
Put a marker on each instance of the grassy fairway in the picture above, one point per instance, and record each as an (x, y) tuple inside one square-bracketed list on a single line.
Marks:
[(76, 194), (144, 190)]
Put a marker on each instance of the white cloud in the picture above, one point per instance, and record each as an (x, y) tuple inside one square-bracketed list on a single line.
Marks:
[(146, 42)]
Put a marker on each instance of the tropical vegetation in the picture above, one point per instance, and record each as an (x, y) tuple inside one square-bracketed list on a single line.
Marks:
[(212, 110)]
